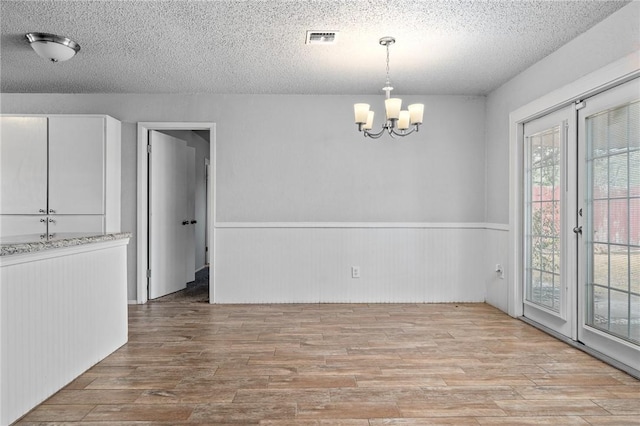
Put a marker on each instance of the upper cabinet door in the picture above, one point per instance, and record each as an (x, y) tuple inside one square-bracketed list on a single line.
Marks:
[(76, 165), (23, 165)]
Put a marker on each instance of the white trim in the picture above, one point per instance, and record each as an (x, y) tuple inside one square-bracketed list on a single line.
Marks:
[(132, 302), (143, 189), (354, 225), (49, 253), (593, 83)]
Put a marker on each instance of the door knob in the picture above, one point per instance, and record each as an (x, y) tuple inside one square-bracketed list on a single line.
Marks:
[(578, 229), (185, 222)]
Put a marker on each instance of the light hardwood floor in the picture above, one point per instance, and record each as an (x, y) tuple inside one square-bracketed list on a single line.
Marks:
[(342, 364)]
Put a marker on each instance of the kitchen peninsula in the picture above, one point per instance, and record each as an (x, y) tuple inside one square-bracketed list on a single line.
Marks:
[(63, 308)]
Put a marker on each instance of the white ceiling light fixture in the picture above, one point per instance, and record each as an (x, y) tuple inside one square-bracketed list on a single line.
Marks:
[(53, 47), (397, 121)]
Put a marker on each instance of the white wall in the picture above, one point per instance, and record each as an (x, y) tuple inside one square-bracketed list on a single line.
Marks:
[(611, 39), (300, 159)]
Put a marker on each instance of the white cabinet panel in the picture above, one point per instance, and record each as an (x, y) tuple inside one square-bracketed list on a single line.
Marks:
[(76, 165), (13, 225), (75, 223), (23, 165)]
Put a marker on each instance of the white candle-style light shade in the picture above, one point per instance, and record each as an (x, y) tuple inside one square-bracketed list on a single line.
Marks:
[(52, 47), (416, 112), (361, 112), (369, 124), (392, 106), (403, 120)]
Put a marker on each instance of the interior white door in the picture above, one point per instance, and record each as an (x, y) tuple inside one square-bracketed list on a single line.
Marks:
[(549, 206), (167, 214), (190, 206)]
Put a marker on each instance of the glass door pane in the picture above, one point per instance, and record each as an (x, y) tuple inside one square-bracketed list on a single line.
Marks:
[(613, 228), (542, 271), (547, 225), (609, 260)]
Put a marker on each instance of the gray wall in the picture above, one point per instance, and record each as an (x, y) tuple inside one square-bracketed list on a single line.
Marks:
[(299, 158), (612, 39)]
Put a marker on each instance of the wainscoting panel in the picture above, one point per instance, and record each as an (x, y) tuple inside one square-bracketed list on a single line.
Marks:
[(60, 315), (313, 264), (497, 252)]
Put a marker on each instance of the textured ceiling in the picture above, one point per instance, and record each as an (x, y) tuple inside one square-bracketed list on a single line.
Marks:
[(443, 47)]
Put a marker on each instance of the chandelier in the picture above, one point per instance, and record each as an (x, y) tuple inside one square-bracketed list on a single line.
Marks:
[(397, 121)]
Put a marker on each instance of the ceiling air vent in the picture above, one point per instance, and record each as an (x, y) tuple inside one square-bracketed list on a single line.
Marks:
[(321, 37)]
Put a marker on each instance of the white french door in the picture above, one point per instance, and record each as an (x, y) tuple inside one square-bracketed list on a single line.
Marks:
[(582, 222), (549, 203), (609, 196)]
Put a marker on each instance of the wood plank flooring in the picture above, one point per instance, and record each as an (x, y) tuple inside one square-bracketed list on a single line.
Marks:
[(341, 364)]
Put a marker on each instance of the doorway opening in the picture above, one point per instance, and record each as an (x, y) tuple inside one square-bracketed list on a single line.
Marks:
[(144, 230)]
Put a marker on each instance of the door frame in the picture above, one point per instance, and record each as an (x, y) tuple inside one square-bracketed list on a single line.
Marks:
[(616, 73), (142, 232)]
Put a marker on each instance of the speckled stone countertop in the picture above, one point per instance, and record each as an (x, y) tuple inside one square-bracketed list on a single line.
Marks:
[(32, 243)]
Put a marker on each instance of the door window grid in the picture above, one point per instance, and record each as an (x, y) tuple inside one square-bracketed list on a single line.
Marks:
[(543, 219), (613, 228)]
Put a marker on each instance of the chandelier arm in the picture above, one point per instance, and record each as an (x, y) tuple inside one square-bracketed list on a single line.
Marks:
[(416, 128), (405, 133), (374, 135)]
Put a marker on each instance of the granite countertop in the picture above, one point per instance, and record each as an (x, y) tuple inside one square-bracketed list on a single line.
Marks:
[(32, 243)]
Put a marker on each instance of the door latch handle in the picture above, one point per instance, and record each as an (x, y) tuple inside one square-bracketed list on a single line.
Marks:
[(577, 229)]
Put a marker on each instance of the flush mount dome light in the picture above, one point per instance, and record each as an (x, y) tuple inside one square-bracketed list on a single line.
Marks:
[(52, 47)]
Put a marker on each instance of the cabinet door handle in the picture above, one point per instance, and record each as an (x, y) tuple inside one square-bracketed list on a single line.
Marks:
[(194, 221), (43, 220), (185, 222), (42, 211), (52, 211), (51, 220)]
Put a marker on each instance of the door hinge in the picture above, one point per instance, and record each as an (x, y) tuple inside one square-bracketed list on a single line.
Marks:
[(580, 105), (148, 273), (580, 212), (148, 149)]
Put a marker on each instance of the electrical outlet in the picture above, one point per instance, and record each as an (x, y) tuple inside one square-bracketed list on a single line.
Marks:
[(355, 272), (500, 271)]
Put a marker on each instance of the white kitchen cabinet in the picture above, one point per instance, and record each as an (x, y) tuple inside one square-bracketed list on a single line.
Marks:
[(49, 226), (61, 224), (66, 166), (76, 165), (12, 225), (23, 165)]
